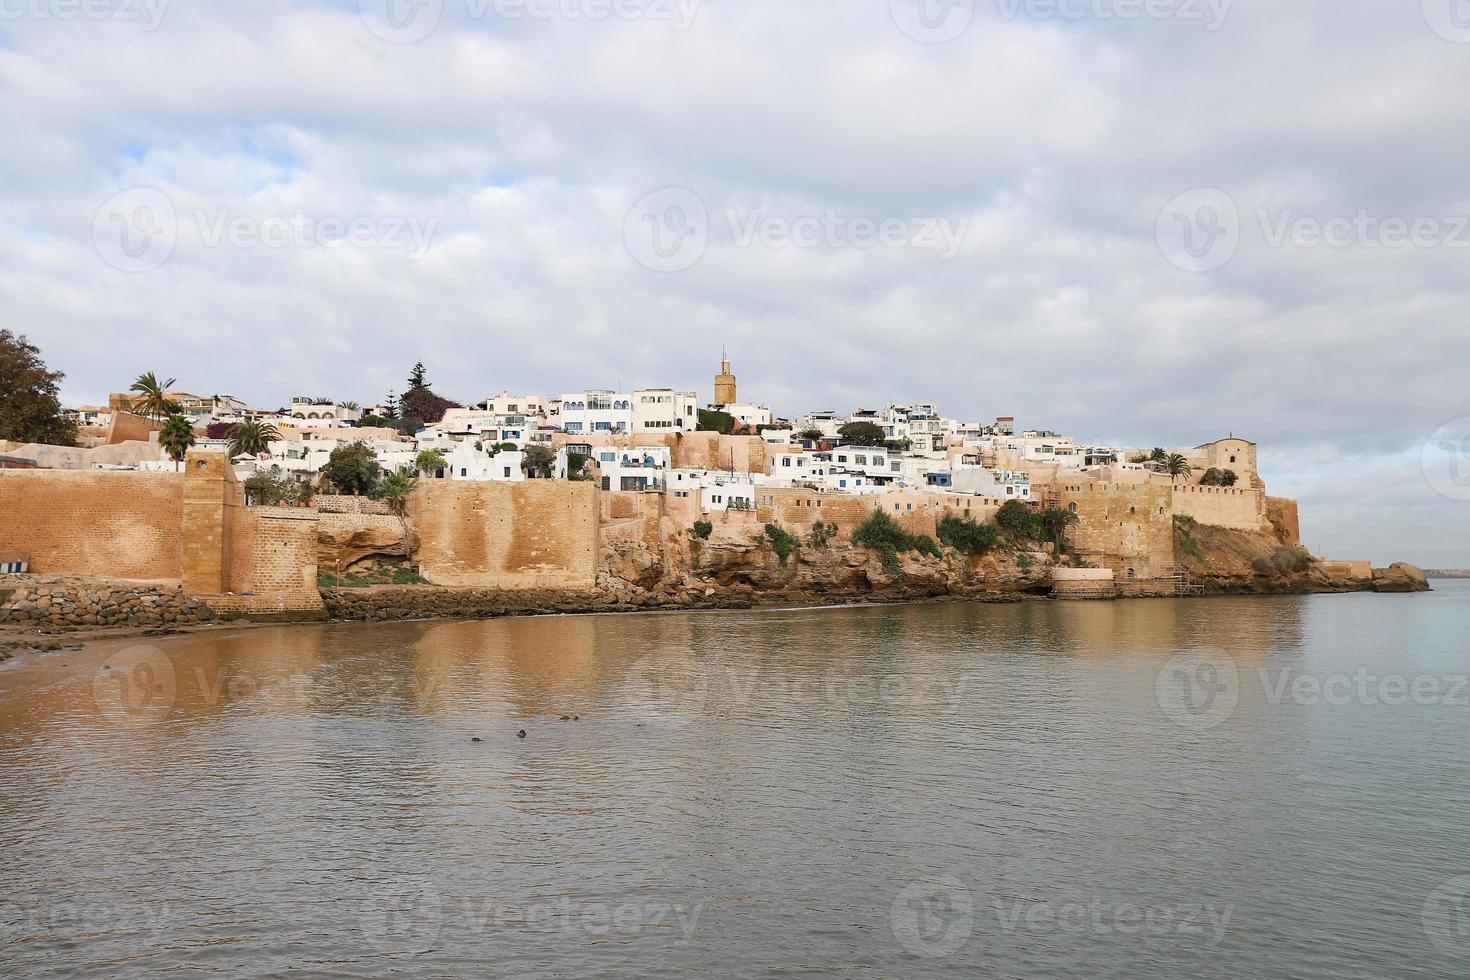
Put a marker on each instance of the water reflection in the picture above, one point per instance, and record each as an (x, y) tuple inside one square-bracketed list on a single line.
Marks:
[(944, 789)]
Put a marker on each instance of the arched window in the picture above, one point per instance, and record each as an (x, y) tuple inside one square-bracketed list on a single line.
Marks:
[(1072, 507)]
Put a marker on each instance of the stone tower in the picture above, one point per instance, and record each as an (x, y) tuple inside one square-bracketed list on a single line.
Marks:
[(724, 382)]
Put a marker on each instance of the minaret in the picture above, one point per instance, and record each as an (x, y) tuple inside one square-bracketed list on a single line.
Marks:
[(724, 382)]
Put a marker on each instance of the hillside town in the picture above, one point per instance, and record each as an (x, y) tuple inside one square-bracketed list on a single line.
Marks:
[(619, 439)]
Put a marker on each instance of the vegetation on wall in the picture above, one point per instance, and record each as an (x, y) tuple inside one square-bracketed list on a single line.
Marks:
[(267, 488), (30, 404), (883, 534), (821, 534), (430, 461), (538, 462), (712, 421), (782, 541), (702, 530), (1184, 539), (1216, 477), (967, 535)]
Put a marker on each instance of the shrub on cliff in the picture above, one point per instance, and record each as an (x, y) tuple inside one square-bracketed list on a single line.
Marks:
[(782, 541), (967, 535), (702, 529), (821, 534)]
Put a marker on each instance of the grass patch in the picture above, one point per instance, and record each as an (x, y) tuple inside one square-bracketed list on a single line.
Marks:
[(967, 535)]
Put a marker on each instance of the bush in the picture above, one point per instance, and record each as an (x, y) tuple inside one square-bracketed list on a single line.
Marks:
[(926, 545), (881, 532), (1015, 517), (702, 529), (891, 564), (711, 421), (967, 535), (821, 534), (1184, 539), (783, 542)]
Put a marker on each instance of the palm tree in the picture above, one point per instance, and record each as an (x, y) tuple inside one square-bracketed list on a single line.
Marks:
[(152, 400), (251, 438), (1158, 455), (350, 406), (1177, 465), (176, 437), (393, 489), (1055, 520), (430, 461)]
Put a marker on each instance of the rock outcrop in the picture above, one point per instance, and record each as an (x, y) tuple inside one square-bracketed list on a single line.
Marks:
[(1399, 577)]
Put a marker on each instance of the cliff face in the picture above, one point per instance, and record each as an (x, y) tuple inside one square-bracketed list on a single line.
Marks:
[(1228, 561), (740, 562)]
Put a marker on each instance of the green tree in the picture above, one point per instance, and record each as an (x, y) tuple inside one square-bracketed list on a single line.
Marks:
[(1016, 518), (152, 398), (349, 406), (1159, 455), (251, 438), (577, 467), (430, 461), (810, 435), (862, 434), (393, 488), (30, 406), (176, 437), (418, 379), (352, 469), (1177, 465), (538, 463), (1054, 521), (712, 421), (1229, 478)]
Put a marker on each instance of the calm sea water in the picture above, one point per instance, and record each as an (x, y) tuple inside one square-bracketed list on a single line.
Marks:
[(1198, 788)]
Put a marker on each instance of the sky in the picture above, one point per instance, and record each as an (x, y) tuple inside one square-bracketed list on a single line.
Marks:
[(1146, 222)]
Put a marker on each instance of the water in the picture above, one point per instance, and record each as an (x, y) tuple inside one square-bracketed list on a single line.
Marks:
[(1034, 790)]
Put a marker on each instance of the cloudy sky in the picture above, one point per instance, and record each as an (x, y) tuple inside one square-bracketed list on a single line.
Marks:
[(1144, 221)]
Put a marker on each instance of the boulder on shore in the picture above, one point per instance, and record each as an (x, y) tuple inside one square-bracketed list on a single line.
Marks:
[(1399, 577)]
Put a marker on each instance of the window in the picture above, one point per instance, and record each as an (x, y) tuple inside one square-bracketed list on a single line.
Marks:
[(507, 472), (1072, 507), (463, 471), (574, 426)]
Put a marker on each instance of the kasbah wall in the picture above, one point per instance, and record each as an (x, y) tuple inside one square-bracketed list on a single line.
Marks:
[(533, 534), (190, 528)]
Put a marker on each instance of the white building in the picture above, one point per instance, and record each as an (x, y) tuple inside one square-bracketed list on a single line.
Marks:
[(746, 413), (665, 410), (639, 468), (468, 463), (314, 410), (596, 410), (508, 404)]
